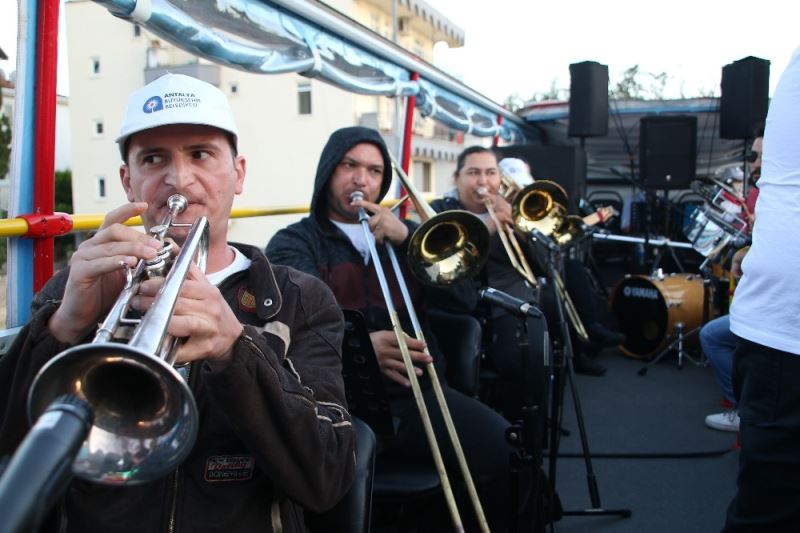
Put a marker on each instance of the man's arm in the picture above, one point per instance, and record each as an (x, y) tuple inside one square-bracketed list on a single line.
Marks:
[(290, 408)]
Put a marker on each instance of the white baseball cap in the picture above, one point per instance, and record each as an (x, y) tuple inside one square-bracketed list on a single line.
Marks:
[(176, 99), (517, 170)]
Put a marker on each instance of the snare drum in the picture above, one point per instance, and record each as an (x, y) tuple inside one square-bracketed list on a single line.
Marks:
[(648, 310)]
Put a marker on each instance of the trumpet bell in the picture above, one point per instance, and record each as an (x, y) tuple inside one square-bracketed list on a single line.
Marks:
[(145, 417), (448, 247)]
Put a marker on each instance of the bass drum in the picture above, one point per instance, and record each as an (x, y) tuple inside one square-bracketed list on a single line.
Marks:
[(649, 308)]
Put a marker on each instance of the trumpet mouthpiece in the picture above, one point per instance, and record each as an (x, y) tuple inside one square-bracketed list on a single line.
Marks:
[(177, 202)]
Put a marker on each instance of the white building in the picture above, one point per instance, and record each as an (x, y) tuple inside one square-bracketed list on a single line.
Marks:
[(284, 120), (63, 152)]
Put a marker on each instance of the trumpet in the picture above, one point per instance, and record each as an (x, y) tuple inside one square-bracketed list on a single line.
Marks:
[(509, 239), (445, 248), (145, 416)]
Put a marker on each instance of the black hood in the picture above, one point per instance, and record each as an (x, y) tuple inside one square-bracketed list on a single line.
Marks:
[(339, 143)]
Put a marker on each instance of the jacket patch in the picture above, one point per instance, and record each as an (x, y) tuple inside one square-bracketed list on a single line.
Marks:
[(247, 300), (229, 468)]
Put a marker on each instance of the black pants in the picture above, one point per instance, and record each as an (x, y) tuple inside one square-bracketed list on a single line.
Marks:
[(481, 432), (767, 385)]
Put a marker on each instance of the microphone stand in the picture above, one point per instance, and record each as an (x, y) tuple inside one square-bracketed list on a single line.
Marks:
[(564, 364), (41, 468), (526, 435)]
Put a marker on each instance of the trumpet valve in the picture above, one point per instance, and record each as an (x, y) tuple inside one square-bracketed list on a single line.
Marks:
[(158, 266)]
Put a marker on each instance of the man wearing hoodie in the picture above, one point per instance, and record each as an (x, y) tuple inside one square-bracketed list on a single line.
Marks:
[(331, 244)]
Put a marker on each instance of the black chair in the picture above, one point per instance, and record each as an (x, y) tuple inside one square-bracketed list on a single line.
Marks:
[(353, 513), (463, 351), (402, 485)]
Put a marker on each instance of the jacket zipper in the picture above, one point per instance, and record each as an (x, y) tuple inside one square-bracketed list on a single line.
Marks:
[(172, 525)]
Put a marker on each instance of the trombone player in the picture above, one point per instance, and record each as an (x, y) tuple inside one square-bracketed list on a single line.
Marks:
[(478, 180), (331, 245), (262, 342)]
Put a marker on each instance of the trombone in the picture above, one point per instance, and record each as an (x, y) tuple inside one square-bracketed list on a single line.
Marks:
[(540, 209), (509, 239), (145, 416), (445, 248)]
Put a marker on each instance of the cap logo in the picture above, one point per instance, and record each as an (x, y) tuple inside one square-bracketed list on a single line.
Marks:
[(153, 104)]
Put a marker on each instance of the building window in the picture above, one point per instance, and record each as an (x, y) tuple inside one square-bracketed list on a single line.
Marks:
[(137, 30), (101, 187), (98, 128), (304, 98), (234, 87), (95, 66), (423, 175)]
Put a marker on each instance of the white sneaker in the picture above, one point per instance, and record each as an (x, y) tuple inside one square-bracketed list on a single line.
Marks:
[(727, 421)]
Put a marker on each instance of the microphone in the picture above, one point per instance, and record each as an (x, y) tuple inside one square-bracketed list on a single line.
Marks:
[(509, 303), (544, 239), (41, 468)]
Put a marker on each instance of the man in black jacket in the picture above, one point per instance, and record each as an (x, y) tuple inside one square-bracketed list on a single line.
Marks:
[(331, 245), (262, 342)]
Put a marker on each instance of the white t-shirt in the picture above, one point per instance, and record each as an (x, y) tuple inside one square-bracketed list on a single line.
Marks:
[(355, 232), (766, 309), (240, 262)]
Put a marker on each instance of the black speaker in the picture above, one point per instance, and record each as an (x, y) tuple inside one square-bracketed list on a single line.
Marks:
[(566, 165), (588, 99), (667, 151), (745, 97)]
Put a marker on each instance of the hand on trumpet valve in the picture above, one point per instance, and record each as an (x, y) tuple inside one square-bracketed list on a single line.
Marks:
[(201, 317), (95, 277), (382, 222), (390, 358)]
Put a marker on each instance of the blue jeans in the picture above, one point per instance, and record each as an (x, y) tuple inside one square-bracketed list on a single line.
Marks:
[(719, 344)]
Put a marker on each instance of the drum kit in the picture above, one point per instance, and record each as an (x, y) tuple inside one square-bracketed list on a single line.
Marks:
[(659, 312)]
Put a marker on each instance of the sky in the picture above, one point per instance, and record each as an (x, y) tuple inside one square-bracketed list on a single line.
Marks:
[(523, 47)]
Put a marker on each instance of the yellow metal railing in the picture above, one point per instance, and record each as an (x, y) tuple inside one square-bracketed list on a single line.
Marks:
[(17, 227)]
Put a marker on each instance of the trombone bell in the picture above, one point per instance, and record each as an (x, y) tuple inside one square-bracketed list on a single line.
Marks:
[(448, 247), (540, 206)]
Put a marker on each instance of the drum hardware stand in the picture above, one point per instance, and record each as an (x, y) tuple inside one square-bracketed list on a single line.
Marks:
[(677, 342), (564, 364), (660, 255)]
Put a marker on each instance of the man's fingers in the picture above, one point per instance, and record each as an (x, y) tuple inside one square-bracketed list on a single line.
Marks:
[(123, 213), (104, 265), (369, 206)]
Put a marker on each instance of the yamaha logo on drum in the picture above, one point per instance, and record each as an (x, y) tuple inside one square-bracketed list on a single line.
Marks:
[(640, 292)]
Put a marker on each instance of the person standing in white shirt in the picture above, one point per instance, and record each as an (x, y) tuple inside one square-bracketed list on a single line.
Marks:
[(765, 315)]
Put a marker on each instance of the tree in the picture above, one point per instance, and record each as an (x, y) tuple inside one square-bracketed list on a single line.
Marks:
[(63, 191), (5, 145), (632, 86), (64, 245)]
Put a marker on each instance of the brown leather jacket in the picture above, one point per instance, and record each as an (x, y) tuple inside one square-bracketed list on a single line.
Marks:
[(275, 436)]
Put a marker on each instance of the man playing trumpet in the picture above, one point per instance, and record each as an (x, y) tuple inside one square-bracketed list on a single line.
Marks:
[(262, 342)]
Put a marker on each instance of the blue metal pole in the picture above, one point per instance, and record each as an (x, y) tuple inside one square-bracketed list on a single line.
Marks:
[(20, 251)]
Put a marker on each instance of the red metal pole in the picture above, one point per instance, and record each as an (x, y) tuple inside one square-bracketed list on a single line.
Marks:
[(497, 137), (45, 134), (408, 128)]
